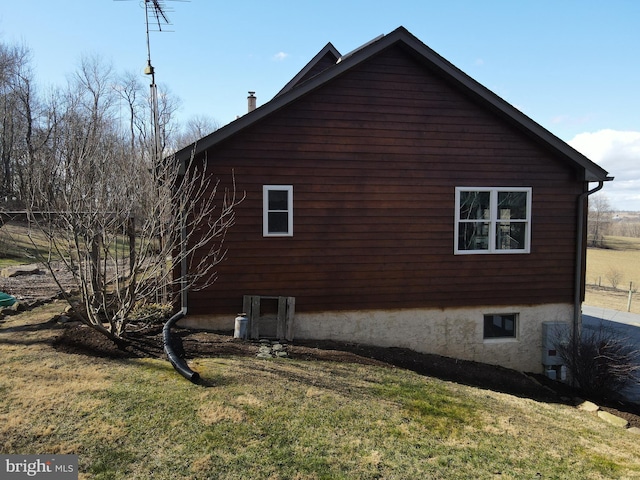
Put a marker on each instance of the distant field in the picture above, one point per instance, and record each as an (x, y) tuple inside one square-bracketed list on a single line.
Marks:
[(622, 243), (622, 259), (619, 264)]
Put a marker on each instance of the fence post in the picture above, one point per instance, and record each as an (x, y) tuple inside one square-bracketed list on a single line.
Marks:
[(630, 295)]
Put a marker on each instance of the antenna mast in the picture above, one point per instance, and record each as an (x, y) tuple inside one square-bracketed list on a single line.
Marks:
[(156, 10), (155, 14)]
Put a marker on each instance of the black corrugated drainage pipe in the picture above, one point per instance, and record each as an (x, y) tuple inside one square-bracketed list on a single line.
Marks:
[(179, 363)]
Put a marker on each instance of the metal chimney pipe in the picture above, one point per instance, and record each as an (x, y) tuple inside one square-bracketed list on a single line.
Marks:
[(251, 101)]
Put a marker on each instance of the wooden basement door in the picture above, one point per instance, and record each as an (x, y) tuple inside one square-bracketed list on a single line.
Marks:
[(269, 316)]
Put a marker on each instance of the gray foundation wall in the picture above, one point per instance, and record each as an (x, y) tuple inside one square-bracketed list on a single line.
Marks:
[(456, 333)]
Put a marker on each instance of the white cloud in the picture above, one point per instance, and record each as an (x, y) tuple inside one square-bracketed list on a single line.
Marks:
[(280, 56), (558, 119), (567, 120), (618, 152)]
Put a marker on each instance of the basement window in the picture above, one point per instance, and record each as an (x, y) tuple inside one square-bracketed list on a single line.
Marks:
[(500, 325), (277, 210), (492, 220)]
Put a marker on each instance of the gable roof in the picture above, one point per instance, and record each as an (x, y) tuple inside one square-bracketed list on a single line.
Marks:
[(326, 58), (316, 73)]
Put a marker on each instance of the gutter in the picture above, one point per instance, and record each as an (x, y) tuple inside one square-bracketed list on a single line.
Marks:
[(179, 363), (577, 300)]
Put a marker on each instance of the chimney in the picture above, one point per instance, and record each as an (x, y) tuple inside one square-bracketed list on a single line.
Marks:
[(251, 100)]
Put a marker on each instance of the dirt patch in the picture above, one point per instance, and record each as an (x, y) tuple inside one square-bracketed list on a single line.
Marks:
[(38, 287), (147, 342)]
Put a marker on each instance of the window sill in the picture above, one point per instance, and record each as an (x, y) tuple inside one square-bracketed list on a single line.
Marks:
[(489, 252), (500, 340)]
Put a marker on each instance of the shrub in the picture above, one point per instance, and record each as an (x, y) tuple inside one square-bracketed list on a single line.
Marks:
[(601, 361), (150, 312), (614, 276)]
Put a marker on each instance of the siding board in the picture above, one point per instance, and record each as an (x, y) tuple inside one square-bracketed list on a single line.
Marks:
[(374, 157)]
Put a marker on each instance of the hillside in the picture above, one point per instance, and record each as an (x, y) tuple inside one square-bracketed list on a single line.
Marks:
[(322, 413)]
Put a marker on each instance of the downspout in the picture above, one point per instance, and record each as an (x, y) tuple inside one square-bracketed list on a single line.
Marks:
[(577, 300), (179, 363)]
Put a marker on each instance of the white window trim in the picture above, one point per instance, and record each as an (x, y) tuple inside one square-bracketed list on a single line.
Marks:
[(493, 220), (265, 210)]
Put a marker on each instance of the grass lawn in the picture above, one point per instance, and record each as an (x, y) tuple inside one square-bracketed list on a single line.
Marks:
[(284, 419), (16, 248)]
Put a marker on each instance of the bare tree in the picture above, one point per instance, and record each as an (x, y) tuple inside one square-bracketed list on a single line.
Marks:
[(27, 122), (599, 219), (196, 127), (7, 107), (122, 221), (91, 234), (627, 227), (130, 90), (16, 115)]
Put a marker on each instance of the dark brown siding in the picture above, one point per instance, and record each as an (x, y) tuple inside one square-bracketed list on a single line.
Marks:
[(325, 62), (374, 158)]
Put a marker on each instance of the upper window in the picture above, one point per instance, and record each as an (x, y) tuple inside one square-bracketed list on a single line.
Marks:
[(493, 220), (277, 210)]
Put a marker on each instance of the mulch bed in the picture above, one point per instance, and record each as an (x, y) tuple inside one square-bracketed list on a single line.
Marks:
[(147, 342)]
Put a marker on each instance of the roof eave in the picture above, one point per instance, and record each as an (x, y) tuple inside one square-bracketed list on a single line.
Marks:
[(592, 172)]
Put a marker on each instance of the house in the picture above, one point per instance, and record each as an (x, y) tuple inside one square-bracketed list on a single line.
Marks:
[(392, 200)]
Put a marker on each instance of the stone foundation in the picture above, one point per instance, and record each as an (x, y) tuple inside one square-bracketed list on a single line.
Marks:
[(456, 333)]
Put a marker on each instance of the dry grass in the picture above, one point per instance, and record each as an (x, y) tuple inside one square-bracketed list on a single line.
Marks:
[(601, 264), (622, 243), (614, 300), (38, 384), (17, 244), (284, 419), (620, 263)]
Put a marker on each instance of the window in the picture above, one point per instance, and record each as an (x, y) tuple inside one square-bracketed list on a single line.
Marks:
[(500, 325), (277, 210), (492, 220)]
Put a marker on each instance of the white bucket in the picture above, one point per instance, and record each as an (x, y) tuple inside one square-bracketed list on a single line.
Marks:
[(240, 330)]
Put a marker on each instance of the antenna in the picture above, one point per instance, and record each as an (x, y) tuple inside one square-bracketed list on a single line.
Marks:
[(155, 14), (154, 8), (158, 10)]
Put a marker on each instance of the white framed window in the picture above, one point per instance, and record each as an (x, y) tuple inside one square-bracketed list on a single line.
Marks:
[(500, 326), (492, 220), (277, 210)]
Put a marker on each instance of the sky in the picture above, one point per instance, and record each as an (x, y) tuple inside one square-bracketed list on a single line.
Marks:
[(573, 66)]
